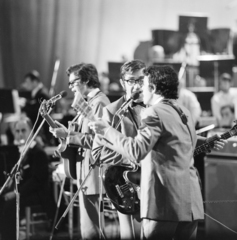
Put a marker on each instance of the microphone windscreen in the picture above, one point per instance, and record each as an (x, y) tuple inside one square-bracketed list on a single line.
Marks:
[(135, 95), (63, 94)]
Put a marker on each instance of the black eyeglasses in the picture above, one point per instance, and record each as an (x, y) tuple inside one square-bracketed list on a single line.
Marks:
[(73, 82), (132, 82)]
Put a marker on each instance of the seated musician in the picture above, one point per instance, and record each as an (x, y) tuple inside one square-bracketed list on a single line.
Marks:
[(34, 183), (84, 82)]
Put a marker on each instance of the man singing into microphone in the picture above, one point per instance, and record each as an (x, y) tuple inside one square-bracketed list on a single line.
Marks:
[(171, 200), (83, 80), (132, 74)]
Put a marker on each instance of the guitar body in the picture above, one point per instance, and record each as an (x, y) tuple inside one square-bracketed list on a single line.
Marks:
[(121, 185), (70, 157), (69, 154)]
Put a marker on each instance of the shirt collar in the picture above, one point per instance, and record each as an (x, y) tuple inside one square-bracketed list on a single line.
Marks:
[(92, 93), (159, 99)]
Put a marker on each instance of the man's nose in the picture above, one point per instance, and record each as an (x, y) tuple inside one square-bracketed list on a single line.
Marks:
[(137, 85)]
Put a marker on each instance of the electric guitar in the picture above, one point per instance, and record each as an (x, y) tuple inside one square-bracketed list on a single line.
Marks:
[(122, 184), (206, 147)]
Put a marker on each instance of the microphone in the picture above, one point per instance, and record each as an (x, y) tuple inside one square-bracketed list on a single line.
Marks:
[(54, 99), (134, 96)]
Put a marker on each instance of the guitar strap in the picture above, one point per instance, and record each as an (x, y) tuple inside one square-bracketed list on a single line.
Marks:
[(183, 117)]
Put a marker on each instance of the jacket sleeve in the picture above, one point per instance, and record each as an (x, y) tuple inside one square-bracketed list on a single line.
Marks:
[(106, 155), (135, 149)]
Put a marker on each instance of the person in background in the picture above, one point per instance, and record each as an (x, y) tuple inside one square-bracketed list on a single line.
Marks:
[(34, 188), (33, 84), (38, 92), (227, 116), (189, 100), (132, 74), (84, 81), (171, 200), (225, 96)]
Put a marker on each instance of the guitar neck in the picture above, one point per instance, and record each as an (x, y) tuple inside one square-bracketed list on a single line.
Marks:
[(50, 121), (81, 106), (206, 146)]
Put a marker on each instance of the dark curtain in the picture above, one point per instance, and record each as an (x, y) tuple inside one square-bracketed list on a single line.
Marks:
[(35, 33)]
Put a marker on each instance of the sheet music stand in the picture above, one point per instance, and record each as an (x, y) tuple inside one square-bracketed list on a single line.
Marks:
[(9, 155), (9, 103)]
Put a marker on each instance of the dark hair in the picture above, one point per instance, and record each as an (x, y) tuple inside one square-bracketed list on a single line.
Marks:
[(33, 75), (226, 76), (231, 107), (165, 79), (87, 72), (131, 67)]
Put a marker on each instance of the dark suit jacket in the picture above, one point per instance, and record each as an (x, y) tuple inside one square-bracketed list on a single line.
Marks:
[(170, 188), (35, 183), (128, 126), (84, 139)]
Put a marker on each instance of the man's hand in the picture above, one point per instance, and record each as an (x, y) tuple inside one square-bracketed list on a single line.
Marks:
[(9, 196), (219, 144), (60, 132), (99, 127)]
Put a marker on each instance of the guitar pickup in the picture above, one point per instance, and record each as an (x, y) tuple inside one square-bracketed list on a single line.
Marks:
[(119, 191)]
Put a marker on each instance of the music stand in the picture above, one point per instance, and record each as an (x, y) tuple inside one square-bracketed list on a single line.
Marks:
[(114, 72), (9, 103), (9, 155)]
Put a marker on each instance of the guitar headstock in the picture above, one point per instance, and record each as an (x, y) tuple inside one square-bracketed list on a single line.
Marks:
[(81, 107), (233, 130), (43, 108)]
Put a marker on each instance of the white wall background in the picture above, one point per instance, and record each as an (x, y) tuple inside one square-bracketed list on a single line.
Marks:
[(123, 23)]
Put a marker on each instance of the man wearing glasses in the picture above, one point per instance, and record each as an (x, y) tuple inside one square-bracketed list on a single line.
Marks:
[(83, 80), (132, 74)]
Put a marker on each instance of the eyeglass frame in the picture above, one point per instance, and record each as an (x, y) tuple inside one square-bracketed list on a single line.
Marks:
[(135, 81), (73, 81)]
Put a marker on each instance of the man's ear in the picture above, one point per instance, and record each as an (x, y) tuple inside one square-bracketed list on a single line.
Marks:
[(153, 88), (122, 83)]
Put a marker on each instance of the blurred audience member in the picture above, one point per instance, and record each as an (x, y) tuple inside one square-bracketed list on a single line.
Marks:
[(222, 98), (189, 100), (157, 53), (33, 84), (227, 116), (34, 183)]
